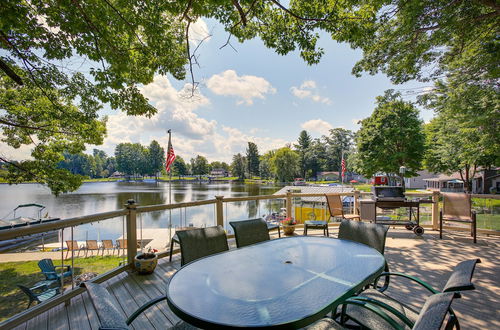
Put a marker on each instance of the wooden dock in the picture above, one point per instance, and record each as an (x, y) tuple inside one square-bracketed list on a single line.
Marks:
[(427, 257)]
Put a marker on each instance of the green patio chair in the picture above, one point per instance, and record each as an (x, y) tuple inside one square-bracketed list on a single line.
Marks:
[(110, 317), (370, 234), (201, 242), (431, 317), (459, 280), (40, 292), (50, 271), (249, 232)]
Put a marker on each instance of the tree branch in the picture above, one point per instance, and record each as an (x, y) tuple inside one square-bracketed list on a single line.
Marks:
[(9, 72), (240, 11), (8, 123), (276, 2)]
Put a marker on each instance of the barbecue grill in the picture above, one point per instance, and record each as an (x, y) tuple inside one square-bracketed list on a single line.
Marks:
[(391, 197)]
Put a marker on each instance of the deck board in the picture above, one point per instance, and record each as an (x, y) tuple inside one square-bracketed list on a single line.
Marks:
[(428, 258)]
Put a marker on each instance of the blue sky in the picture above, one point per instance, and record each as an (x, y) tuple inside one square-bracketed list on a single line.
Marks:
[(252, 94)]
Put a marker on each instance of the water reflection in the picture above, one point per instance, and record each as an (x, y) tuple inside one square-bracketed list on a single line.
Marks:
[(109, 196)]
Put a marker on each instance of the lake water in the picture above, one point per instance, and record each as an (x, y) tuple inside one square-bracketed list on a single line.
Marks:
[(100, 197)]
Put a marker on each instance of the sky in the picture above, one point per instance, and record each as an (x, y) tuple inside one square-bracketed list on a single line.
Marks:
[(247, 92)]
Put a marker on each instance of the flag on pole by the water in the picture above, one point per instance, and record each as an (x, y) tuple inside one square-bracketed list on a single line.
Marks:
[(343, 167), (170, 154)]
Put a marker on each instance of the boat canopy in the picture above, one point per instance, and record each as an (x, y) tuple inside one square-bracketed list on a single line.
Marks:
[(29, 205)]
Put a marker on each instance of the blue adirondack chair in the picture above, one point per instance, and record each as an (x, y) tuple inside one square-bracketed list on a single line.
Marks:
[(49, 270), (39, 293)]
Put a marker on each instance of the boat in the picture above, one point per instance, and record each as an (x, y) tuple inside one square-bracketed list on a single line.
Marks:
[(299, 182), (22, 221)]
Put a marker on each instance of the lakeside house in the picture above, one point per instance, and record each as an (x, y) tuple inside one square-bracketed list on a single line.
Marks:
[(484, 182)]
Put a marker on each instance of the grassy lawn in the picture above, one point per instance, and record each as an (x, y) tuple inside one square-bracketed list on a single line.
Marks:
[(27, 273)]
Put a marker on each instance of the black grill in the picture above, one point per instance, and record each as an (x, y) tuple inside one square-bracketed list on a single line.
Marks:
[(388, 193)]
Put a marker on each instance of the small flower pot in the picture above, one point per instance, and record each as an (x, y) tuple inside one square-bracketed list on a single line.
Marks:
[(288, 229), (145, 263)]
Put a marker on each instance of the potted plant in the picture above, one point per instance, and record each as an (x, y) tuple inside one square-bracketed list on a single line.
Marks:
[(288, 226), (145, 263)]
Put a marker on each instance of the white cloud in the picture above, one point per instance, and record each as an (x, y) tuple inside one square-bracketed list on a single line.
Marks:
[(308, 90), (198, 32), (247, 88), (21, 153), (317, 125)]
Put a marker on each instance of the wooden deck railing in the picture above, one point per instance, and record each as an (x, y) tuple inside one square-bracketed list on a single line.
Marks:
[(131, 210)]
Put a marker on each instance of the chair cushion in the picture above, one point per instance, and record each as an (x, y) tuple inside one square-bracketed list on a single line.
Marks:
[(325, 324), (352, 216), (373, 321)]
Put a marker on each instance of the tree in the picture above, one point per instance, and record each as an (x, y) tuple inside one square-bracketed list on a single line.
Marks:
[(179, 167), (465, 133), (238, 166), (199, 166), (316, 157), (390, 138), (304, 143), (339, 142), (286, 164), (252, 159), (100, 159), (156, 158)]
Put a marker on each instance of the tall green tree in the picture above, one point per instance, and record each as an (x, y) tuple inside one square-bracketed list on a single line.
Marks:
[(339, 142), (252, 159), (286, 164), (156, 158), (304, 142), (238, 166), (464, 135), (179, 167), (316, 157), (199, 166), (390, 138)]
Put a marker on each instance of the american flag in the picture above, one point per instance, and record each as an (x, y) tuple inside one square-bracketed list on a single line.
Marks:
[(170, 154), (343, 167)]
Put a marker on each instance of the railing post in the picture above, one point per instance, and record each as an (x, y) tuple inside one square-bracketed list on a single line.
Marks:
[(288, 204), (219, 206), (435, 210), (131, 230), (357, 194)]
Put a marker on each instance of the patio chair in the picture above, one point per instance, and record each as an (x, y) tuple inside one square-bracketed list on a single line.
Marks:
[(175, 239), (91, 245), (202, 242), (459, 280), (121, 244), (336, 208), (111, 317), (370, 234), (272, 226), (72, 246), (107, 244), (457, 207), (431, 317), (50, 271), (39, 293), (249, 232)]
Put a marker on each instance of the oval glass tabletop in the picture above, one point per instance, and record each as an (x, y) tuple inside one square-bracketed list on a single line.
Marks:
[(278, 283)]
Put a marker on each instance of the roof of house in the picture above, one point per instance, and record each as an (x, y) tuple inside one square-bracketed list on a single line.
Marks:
[(445, 177), (314, 190)]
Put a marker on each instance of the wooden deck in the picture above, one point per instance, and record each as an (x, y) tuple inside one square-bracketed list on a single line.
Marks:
[(429, 258)]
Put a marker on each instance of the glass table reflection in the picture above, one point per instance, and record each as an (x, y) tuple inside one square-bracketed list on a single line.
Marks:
[(281, 283)]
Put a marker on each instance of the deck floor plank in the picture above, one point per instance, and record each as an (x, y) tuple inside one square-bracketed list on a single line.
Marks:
[(58, 318), (128, 304), (77, 314), (154, 313), (91, 313), (154, 286)]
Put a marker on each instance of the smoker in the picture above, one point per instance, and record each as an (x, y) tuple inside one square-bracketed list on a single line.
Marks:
[(391, 197)]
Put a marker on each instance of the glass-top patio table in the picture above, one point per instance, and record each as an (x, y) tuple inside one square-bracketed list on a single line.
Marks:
[(282, 283)]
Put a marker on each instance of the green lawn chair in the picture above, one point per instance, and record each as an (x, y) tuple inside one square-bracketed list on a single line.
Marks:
[(39, 292), (49, 270)]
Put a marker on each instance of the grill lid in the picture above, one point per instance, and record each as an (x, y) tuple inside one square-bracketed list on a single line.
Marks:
[(388, 193)]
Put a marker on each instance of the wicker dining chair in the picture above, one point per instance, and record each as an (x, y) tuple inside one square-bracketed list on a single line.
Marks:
[(457, 207), (202, 242), (107, 244), (249, 232), (72, 246)]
